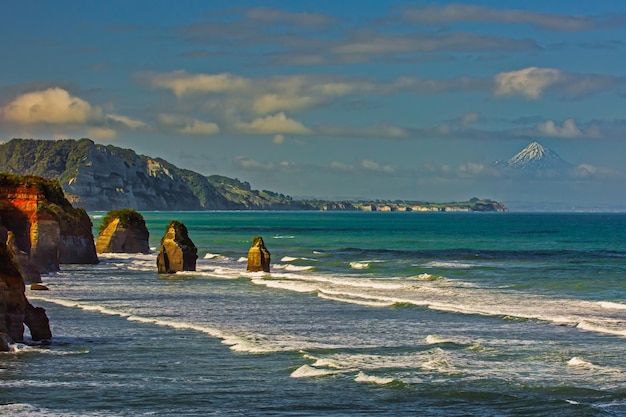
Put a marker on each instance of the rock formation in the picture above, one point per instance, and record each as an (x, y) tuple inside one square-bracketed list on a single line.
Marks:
[(123, 231), (15, 310), (177, 251), (258, 256), (44, 225)]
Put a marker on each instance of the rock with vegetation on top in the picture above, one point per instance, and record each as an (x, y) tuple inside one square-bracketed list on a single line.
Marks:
[(45, 225), (258, 256), (123, 231), (177, 251)]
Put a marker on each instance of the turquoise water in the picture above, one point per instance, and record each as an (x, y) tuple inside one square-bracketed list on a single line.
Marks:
[(452, 314)]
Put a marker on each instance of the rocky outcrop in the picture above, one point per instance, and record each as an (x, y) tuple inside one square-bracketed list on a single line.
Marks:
[(37, 321), (15, 310), (123, 231), (44, 225), (258, 256), (177, 251)]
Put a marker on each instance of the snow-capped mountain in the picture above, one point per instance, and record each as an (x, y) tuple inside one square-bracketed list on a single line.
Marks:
[(537, 158)]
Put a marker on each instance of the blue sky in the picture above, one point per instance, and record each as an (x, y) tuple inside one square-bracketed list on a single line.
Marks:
[(332, 99)]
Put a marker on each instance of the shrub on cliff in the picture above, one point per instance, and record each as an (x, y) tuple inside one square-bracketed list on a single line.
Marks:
[(128, 217)]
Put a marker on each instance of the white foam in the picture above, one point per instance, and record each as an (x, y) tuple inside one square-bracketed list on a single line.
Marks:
[(296, 268), (293, 268), (242, 259), (435, 340), (449, 265), (212, 256), (295, 286), (326, 363), (359, 265), (283, 237), (307, 371), (291, 259), (612, 305), (28, 410), (352, 299), (250, 344), (614, 327), (363, 377), (579, 362)]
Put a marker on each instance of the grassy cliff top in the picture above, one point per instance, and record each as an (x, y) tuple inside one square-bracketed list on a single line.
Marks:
[(127, 217)]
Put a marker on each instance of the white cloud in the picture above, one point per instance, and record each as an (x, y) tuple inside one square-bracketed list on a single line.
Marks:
[(529, 82), (188, 125), (363, 166), (567, 130), (369, 165), (51, 106), (588, 171), (273, 125), (182, 83), (253, 165), (270, 103), (127, 121), (432, 15)]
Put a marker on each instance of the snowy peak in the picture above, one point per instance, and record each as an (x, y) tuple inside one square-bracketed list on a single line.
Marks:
[(536, 157)]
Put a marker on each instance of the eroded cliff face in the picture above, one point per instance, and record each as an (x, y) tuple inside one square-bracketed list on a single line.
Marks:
[(44, 226), (15, 310), (107, 179)]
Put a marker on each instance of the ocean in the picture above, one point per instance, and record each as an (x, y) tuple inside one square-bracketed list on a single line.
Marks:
[(363, 314)]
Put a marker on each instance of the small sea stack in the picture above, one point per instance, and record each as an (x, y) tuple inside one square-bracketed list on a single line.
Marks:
[(123, 231), (15, 309), (177, 251), (258, 256)]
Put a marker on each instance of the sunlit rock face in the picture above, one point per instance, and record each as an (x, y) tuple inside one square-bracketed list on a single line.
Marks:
[(46, 230), (177, 252), (258, 256), (123, 231)]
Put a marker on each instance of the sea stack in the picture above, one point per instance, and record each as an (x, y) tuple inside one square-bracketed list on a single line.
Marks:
[(123, 231), (258, 256), (15, 310), (177, 251)]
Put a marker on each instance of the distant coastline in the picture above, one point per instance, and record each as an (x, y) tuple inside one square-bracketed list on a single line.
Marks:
[(97, 177)]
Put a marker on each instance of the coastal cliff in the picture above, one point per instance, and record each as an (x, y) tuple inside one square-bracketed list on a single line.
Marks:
[(98, 177), (42, 226)]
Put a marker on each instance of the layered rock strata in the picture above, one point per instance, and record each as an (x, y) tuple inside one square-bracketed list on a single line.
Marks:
[(43, 230), (177, 252)]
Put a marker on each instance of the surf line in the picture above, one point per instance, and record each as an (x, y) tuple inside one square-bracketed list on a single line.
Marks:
[(252, 344)]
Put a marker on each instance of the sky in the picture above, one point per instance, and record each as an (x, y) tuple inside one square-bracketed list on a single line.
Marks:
[(351, 99)]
